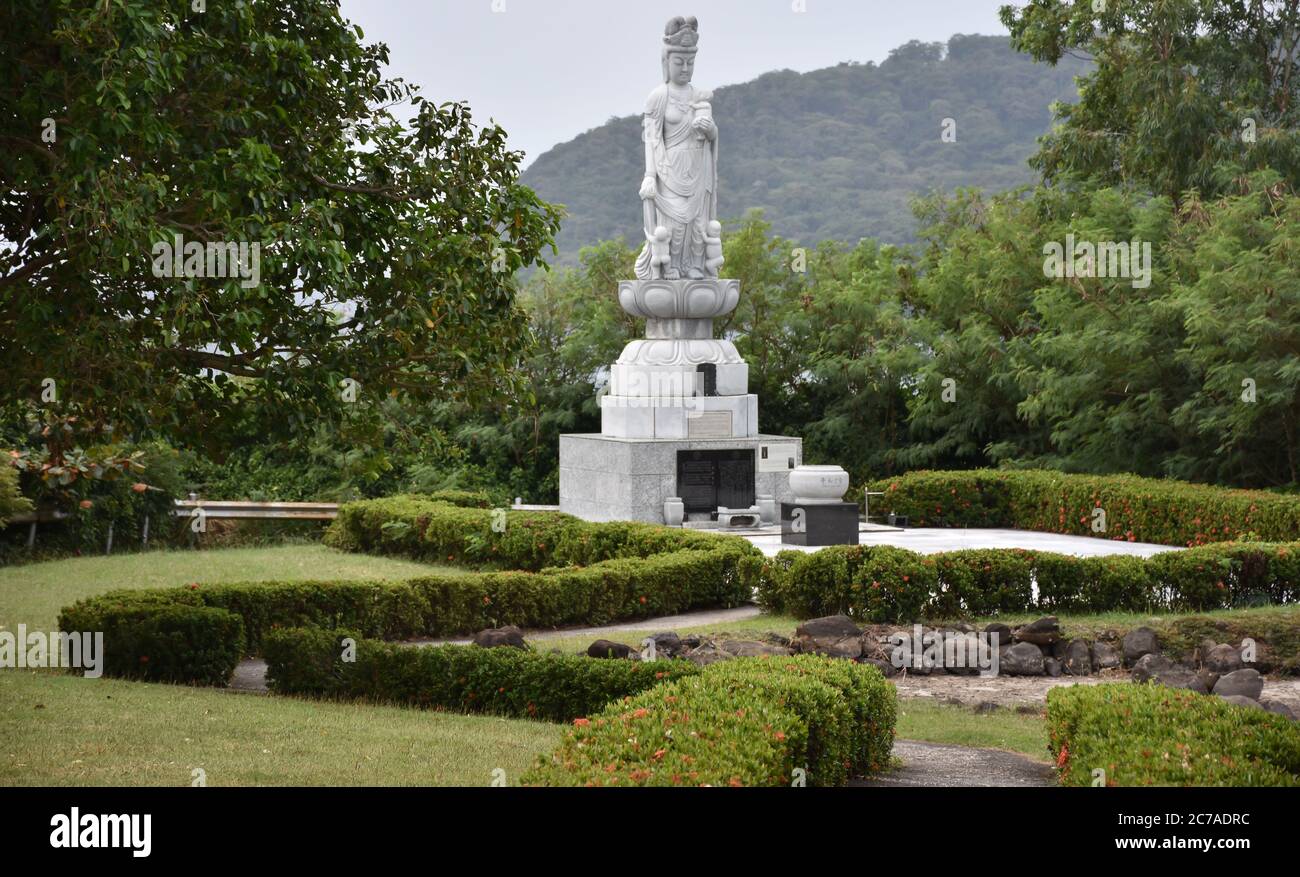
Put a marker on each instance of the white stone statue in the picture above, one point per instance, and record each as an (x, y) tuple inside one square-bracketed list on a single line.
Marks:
[(680, 190)]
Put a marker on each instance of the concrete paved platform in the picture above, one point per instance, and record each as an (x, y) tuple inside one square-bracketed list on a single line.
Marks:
[(925, 540)]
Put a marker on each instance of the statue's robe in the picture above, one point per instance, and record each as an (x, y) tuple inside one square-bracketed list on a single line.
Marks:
[(686, 167)]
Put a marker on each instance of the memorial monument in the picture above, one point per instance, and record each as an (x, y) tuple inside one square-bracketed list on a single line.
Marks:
[(679, 433)]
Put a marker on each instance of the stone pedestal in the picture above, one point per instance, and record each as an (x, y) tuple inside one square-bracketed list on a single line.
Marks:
[(679, 382), (819, 524), (612, 478)]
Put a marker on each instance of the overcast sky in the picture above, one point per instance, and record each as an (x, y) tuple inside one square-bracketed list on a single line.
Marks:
[(548, 70)]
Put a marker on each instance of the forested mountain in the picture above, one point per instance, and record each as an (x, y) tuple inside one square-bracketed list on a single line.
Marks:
[(835, 153)]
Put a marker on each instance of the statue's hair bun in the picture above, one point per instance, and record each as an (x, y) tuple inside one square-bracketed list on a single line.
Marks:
[(682, 32)]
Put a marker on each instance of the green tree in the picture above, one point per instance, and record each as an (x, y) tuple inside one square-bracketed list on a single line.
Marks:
[(1238, 269), (388, 245), (1185, 94)]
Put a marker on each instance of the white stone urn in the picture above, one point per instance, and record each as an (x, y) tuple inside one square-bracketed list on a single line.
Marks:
[(674, 511), (767, 509), (818, 485)]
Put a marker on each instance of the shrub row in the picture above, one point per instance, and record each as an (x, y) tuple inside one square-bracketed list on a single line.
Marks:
[(1149, 735), (466, 679), (454, 603), (469, 499), (748, 722), (160, 642), (1136, 509), (425, 529), (636, 581), (884, 584)]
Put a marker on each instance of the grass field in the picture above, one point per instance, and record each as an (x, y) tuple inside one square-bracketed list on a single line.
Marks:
[(1002, 729), (64, 730), (60, 729), (1089, 626), (34, 593)]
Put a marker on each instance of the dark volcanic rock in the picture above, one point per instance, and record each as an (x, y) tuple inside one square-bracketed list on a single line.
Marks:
[(1003, 632), (1162, 671), (667, 645), (501, 638), (1078, 658), (884, 667), (1022, 659), (1139, 642), (1238, 700), (751, 649), (1223, 659), (835, 636), (1042, 632), (1274, 706), (1243, 683), (603, 648), (1105, 656)]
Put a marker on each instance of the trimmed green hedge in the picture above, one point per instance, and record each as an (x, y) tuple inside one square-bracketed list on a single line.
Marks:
[(456, 603), (466, 679), (748, 722), (424, 529), (1137, 509), (470, 499), (635, 571), (1149, 735), (12, 501), (157, 641), (884, 584)]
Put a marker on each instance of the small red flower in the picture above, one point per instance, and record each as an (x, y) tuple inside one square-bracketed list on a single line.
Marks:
[(581, 723)]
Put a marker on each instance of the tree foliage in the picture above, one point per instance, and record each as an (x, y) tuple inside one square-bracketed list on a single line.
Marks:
[(1185, 94), (389, 226)]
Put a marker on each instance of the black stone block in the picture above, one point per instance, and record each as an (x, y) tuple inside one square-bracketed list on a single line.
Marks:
[(822, 524)]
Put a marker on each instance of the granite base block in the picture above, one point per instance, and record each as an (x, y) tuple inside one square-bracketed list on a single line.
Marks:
[(605, 478), (819, 524)]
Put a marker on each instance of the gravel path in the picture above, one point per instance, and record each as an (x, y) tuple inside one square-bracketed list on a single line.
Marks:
[(931, 765), (653, 625)]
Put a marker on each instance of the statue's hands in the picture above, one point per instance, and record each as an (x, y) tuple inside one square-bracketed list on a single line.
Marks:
[(705, 126), (648, 188)]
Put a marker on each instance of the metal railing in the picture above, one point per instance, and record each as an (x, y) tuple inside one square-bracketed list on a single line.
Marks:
[(202, 509)]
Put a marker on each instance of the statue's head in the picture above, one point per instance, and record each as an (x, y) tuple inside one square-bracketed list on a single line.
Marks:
[(681, 37)]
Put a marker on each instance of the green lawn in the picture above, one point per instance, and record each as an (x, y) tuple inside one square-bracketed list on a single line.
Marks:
[(961, 726), (66, 730), (1089, 626), (34, 593)]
